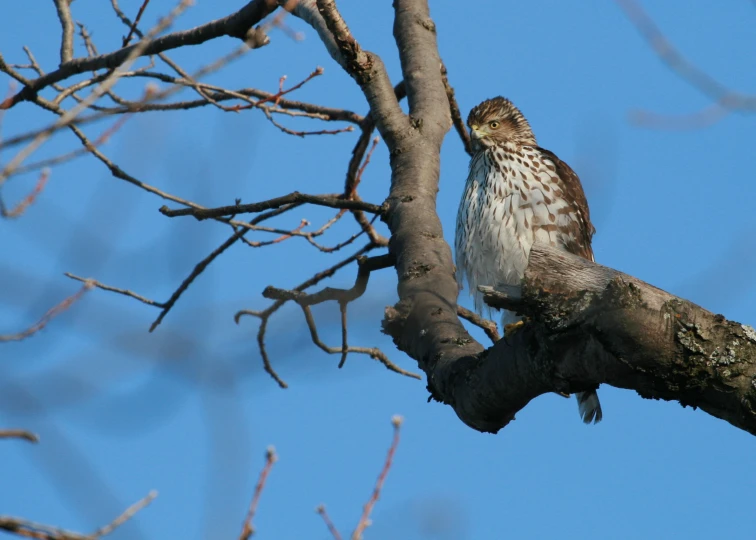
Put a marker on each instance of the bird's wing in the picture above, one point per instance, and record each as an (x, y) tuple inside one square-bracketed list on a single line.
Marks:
[(575, 197)]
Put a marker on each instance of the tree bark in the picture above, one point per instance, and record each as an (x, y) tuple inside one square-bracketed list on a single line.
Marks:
[(593, 325)]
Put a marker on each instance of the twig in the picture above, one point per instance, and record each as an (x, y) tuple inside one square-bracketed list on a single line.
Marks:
[(285, 235), (86, 37), (70, 116), (701, 119), (456, 115), (47, 317), (270, 458), (134, 25), (265, 314), (364, 522), (124, 292), (57, 160), (702, 81), (365, 267), (373, 352), (30, 529), (352, 187), (488, 326), (278, 20), (204, 263), (355, 170), (198, 269), (343, 297), (327, 520), (294, 197), (126, 515), (281, 92), (303, 134), (236, 25), (19, 434), (27, 201), (289, 107), (340, 245)]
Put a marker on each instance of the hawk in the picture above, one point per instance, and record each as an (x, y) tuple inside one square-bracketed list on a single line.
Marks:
[(516, 194)]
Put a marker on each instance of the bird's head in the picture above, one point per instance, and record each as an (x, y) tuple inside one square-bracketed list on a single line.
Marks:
[(495, 122)]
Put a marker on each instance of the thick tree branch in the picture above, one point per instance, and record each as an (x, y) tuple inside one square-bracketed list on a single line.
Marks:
[(592, 325), (66, 22), (365, 67), (415, 35)]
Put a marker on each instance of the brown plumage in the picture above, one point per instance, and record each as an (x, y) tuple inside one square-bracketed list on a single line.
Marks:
[(516, 194)]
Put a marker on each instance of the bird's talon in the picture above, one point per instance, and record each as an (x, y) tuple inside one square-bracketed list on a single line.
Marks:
[(510, 329)]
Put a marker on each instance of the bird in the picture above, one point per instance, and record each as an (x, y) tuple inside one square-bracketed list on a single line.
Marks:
[(516, 194)]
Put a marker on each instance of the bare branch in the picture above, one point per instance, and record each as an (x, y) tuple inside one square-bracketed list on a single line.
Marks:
[(365, 267), (456, 115), (727, 99), (19, 434), (27, 201), (364, 522), (69, 117), (343, 297), (265, 314), (270, 458), (133, 26), (704, 118), (47, 317), (126, 515), (236, 25), (103, 138), (331, 201), (124, 292), (321, 510), (29, 529)]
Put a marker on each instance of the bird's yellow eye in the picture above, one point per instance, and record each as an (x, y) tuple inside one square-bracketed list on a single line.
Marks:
[(494, 124)]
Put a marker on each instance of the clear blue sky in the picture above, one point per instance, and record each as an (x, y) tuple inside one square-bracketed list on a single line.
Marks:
[(188, 410)]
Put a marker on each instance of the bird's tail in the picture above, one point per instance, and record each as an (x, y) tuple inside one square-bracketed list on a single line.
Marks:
[(589, 406)]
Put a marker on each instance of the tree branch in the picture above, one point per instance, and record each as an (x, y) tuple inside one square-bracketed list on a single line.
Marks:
[(592, 325), (19, 434), (30, 529), (343, 297), (66, 40), (332, 201), (364, 66), (235, 25)]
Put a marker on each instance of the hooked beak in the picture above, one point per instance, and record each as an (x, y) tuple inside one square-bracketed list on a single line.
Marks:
[(476, 133)]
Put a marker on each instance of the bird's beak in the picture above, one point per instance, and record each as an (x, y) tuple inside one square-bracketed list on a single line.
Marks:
[(476, 133)]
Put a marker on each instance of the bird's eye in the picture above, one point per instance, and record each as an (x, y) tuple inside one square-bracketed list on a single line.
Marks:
[(494, 124)]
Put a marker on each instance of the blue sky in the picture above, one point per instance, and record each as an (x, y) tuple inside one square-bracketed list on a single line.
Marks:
[(188, 410)]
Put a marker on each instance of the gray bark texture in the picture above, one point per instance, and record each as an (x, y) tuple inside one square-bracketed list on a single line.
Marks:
[(589, 325)]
